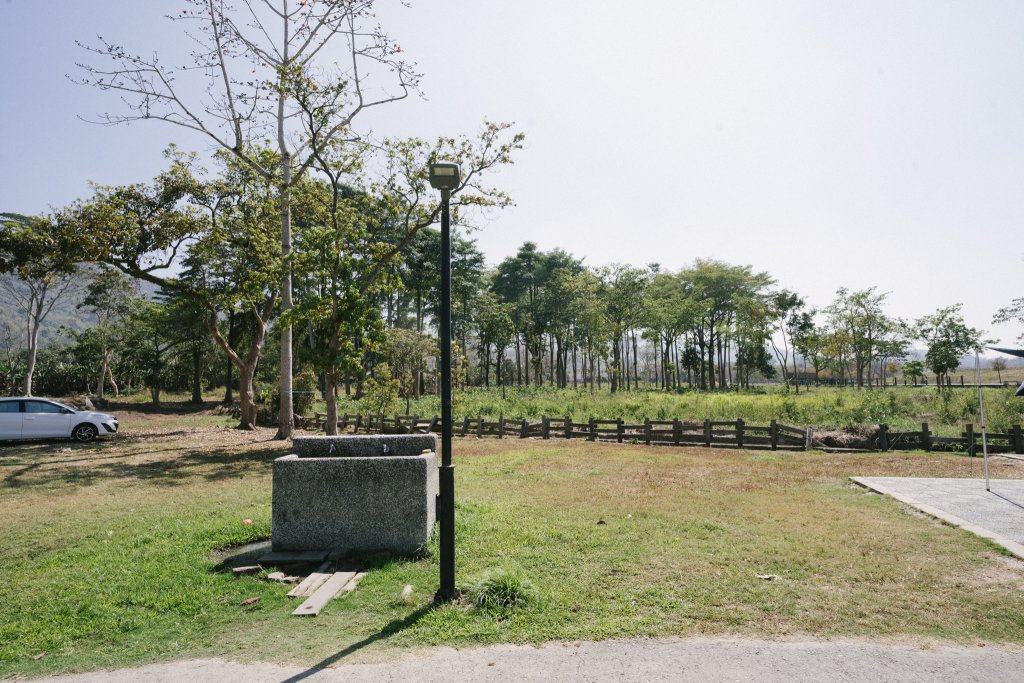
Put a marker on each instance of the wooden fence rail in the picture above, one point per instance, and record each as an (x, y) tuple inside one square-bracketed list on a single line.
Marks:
[(709, 433)]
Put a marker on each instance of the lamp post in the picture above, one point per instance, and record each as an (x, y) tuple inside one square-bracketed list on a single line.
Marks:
[(444, 176)]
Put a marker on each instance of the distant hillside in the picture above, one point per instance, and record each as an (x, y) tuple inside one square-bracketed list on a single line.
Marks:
[(65, 314)]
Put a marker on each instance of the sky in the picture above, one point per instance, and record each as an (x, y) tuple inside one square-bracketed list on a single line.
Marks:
[(832, 144)]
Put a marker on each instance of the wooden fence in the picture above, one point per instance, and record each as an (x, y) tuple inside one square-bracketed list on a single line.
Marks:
[(968, 442), (709, 433)]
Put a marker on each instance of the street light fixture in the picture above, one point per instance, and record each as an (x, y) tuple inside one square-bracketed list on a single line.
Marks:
[(445, 176)]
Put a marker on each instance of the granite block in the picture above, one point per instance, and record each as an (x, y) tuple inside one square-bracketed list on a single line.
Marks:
[(353, 502)]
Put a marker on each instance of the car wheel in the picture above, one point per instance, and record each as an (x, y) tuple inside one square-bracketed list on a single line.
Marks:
[(84, 433)]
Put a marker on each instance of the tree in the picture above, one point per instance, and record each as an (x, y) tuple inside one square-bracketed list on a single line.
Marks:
[(786, 307), (999, 364), (267, 75), (152, 337), (407, 352), (108, 297), (858, 319), (914, 369), (948, 339), (221, 230), (622, 290), (494, 328), (34, 277)]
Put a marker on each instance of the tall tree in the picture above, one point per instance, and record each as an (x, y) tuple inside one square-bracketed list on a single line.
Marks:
[(34, 277), (108, 298), (222, 232), (267, 75)]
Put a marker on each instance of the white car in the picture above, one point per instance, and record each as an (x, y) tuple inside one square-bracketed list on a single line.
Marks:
[(39, 418)]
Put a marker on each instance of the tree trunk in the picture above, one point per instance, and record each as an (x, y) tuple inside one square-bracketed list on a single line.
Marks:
[(331, 398), (228, 398), (197, 376), (113, 383)]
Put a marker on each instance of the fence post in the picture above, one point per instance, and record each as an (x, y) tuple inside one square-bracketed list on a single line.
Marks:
[(465, 425), (969, 430), (739, 432), (619, 431), (707, 433), (359, 422), (524, 429), (677, 430), (501, 426), (926, 437), (568, 427), (808, 438), (1018, 440), (883, 437), (647, 430), (545, 427), (479, 427), (593, 430), (433, 424), (415, 421), (773, 434)]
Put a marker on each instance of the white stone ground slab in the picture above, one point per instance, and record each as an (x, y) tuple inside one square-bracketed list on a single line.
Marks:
[(997, 514), (642, 661)]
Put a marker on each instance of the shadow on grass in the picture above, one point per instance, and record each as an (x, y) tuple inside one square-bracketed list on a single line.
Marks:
[(209, 465), (390, 629)]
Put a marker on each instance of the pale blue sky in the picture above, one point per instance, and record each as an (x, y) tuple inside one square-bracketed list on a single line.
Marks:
[(831, 143)]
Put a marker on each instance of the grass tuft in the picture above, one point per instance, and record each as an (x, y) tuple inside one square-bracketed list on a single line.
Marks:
[(503, 589)]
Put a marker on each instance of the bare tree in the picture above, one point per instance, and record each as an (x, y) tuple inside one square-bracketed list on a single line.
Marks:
[(35, 295), (258, 60), (999, 364)]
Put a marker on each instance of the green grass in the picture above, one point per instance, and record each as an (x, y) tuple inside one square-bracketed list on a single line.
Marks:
[(107, 553), (899, 407)]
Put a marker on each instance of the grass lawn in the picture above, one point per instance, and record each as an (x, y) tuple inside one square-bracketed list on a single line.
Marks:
[(107, 551)]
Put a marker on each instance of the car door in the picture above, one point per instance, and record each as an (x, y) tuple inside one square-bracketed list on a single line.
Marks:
[(43, 419), (10, 419)]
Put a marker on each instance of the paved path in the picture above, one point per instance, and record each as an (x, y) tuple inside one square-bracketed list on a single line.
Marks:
[(997, 514), (676, 660)]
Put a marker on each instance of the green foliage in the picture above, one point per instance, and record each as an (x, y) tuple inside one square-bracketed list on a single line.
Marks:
[(503, 589), (304, 386), (899, 407), (380, 392), (947, 338)]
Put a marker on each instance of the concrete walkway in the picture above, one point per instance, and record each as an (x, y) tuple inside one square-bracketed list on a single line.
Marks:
[(676, 660), (997, 514)]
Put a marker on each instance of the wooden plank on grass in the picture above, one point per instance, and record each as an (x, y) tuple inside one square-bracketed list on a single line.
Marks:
[(331, 587), (293, 557), (311, 582)]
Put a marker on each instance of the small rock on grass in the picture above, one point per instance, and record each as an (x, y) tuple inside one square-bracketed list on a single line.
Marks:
[(769, 577), (281, 577), (249, 601)]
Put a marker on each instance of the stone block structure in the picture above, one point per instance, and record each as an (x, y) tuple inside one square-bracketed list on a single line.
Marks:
[(356, 494)]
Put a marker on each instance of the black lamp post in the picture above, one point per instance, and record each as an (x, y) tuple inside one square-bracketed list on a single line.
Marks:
[(445, 176)]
